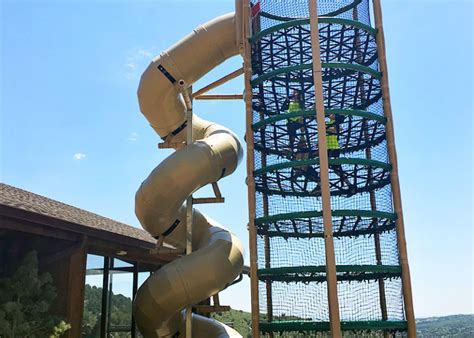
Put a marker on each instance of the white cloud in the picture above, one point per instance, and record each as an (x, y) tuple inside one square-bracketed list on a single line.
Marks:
[(133, 137), (79, 156), (136, 62), (131, 66), (146, 53)]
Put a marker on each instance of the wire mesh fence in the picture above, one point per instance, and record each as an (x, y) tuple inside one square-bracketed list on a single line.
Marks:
[(290, 243)]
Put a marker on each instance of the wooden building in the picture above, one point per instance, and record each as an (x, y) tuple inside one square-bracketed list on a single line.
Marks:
[(63, 237)]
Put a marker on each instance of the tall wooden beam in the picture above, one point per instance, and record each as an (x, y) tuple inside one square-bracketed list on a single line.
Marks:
[(331, 277), (266, 238), (105, 299), (368, 155), (187, 96), (392, 153), (76, 285), (246, 33), (136, 271)]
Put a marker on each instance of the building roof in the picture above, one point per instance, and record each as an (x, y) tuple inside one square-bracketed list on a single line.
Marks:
[(82, 220)]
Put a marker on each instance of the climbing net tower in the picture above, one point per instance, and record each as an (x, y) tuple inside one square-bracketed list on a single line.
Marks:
[(291, 256)]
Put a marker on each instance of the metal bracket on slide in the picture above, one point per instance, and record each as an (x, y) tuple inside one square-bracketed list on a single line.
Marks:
[(217, 199)]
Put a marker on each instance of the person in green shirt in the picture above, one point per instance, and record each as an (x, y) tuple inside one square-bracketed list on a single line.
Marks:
[(334, 151), (332, 139), (293, 104)]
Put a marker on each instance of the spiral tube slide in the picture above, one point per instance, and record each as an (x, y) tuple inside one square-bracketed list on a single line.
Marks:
[(214, 154)]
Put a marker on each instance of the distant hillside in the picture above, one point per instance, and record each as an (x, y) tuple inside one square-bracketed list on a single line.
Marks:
[(238, 319), (448, 326), (456, 326)]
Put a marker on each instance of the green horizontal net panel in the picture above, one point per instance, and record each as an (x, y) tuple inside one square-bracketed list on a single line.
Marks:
[(289, 223)]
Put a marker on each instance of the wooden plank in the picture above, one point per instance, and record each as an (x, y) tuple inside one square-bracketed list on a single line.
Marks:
[(207, 200), (186, 93), (220, 97), (219, 82), (105, 299), (76, 286), (211, 308), (105, 248), (63, 253), (217, 199), (73, 228), (397, 200), (217, 191), (247, 66), (331, 277), (170, 145), (136, 271), (21, 225)]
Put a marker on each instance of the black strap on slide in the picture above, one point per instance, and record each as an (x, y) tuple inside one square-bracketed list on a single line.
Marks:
[(167, 74), (171, 228), (173, 81), (177, 130)]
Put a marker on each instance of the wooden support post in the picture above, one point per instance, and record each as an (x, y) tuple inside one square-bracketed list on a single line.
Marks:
[(105, 299), (373, 202), (215, 300), (397, 200), (266, 238), (136, 271), (250, 167), (185, 92), (159, 245), (76, 285), (331, 276), (109, 296), (217, 191), (219, 82)]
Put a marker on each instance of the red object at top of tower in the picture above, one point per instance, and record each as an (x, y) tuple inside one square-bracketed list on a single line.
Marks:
[(255, 9)]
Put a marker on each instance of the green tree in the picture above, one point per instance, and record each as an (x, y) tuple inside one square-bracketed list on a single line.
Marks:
[(92, 311), (25, 299), (120, 308)]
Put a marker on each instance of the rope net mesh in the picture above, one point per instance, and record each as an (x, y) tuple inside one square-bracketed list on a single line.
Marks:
[(290, 243)]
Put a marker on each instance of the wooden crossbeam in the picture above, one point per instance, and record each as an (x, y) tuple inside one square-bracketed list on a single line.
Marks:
[(220, 97), (211, 308), (206, 200), (217, 83), (173, 145)]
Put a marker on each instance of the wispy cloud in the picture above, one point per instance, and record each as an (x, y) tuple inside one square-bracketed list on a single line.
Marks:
[(133, 137), (136, 61), (145, 53), (79, 156), (131, 66)]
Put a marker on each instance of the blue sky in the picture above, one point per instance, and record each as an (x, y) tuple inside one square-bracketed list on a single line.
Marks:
[(71, 128)]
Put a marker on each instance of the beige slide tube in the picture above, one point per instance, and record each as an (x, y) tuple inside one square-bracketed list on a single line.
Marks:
[(214, 154)]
